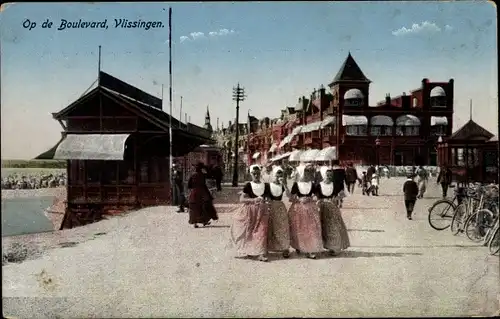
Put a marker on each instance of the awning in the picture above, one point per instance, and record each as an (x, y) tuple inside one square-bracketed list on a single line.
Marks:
[(407, 120), (105, 147), (439, 120), (327, 154), (256, 155), (273, 148), (381, 120), (327, 121), (311, 127), (280, 157), (295, 156), (297, 130), (285, 141), (354, 120), (309, 155)]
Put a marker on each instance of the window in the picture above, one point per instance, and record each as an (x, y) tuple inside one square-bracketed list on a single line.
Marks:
[(386, 131), (407, 130), (93, 169), (460, 157), (438, 101), (415, 102), (356, 130), (77, 171), (438, 130), (353, 102), (453, 157), (375, 131)]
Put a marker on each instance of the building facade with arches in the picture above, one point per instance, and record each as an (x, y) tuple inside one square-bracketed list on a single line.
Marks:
[(401, 130)]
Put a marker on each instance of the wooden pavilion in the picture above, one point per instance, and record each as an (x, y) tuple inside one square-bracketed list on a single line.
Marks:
[(116, 143), (471, 153)]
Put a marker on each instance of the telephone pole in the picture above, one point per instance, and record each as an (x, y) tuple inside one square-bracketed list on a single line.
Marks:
[(238, 96)]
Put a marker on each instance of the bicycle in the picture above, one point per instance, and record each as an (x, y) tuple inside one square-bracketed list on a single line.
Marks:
[(444, 214), (464, 210), (482, 221), (494, 241)]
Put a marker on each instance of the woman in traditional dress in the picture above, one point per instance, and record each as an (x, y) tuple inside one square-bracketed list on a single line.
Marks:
[(279, 225), (250, 225), (201, 208), (334, 230), (305, 221)]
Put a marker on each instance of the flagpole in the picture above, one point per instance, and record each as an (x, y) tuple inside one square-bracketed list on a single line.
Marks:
[(170, 93)]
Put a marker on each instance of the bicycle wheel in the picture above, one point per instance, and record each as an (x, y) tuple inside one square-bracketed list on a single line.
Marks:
[(478, 225), (458, 219), (441, 214), (471, 229), (494, 244)]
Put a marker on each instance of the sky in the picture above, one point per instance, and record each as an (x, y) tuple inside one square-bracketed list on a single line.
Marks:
[(278, 51)]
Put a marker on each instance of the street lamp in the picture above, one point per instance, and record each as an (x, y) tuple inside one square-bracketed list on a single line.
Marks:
[(377, 144)]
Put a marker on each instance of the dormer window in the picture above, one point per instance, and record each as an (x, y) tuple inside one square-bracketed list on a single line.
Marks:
[(438, 97), (353, 97)]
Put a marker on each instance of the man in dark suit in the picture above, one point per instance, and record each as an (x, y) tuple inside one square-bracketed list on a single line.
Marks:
[(445, 178), (351, 177), (338, 179)]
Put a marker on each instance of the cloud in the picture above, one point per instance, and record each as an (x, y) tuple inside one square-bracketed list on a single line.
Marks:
[(426, 26), (197, 35), (448, 27), (221, 32)]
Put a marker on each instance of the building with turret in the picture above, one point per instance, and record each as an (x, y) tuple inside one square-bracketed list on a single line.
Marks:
[(397, 131)]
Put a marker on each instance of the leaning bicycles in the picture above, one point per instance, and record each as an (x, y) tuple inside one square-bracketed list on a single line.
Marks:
[(441, 212), (465, 210)]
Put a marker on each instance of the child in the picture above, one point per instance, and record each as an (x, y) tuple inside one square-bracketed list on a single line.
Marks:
[(410, 190), (364, 184)]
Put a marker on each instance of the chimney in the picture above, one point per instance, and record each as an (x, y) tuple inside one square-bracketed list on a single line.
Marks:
[(387, 99)]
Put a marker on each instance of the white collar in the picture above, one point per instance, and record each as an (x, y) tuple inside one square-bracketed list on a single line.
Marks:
[(304, 187), (276, 189), (258, 188), (326, 189)]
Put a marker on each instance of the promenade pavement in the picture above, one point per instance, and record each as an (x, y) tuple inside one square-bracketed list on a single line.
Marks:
[(151, 263)]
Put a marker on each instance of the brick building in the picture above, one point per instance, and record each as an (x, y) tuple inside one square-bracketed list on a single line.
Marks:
[(397, 131)]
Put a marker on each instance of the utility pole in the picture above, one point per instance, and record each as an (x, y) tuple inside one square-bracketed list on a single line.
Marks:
[(238, 96), (180, 114)]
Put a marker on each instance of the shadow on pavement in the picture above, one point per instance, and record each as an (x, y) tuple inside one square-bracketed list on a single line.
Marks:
[(368, 230), (420, 246), (356, 254)]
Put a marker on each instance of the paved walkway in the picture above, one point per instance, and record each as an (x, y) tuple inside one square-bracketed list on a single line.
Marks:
[(151, 263)]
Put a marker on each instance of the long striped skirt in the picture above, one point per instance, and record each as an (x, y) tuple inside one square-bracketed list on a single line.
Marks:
[(278, 238), (334, 230), (305, 226), (250, 228)]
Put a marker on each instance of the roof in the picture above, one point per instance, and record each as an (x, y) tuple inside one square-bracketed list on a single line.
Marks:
[(350, 72), (471, 131), (140, 102)]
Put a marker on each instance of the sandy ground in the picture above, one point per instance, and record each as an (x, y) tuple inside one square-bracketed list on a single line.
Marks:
[(151, 263)]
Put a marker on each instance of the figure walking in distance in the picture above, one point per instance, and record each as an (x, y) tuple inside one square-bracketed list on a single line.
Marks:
[(423, 177), (201, 207), (279, 224), (305, 221), (179, 197), (410, 190), (334, 230), (445, 178), (351, 176), (250, 222)]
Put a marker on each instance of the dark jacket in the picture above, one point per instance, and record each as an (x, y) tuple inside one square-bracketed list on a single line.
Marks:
[(351, 175), (410, 189), (370, 171), (338, 180), (445, 176)]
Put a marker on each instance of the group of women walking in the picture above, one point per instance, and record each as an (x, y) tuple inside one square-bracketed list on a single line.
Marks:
[(310, 225)]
